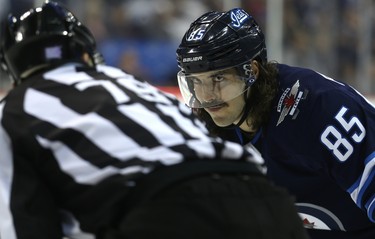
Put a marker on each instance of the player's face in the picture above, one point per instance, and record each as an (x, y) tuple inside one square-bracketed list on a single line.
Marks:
[(228, 112), (221, 95), (211, 89)]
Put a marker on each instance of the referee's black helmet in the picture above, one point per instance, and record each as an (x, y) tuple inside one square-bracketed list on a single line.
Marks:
[(219, 40), (43, 37)]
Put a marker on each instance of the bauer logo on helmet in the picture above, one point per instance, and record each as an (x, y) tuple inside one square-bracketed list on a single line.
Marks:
[(192, 59)]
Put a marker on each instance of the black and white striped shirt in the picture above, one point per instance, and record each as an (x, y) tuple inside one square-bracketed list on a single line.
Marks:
[(73, 140)]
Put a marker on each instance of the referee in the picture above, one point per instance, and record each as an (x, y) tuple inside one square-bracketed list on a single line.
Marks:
[(88, 151)]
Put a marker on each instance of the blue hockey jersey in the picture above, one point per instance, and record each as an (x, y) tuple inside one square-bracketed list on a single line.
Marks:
[(320, 144)]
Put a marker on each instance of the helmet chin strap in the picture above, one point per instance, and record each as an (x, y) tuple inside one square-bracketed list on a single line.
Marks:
[(246, 108), (245, 114)]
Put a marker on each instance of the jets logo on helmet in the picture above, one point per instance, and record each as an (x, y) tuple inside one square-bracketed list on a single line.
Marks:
[(238, 16)]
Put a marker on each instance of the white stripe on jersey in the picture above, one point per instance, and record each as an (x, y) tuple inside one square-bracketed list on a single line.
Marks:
[(357, 192), (67, 75), (100, 131), (81, 170), (118, 95), (112, 71), (151, 121), (182, 122), (330, 79), (6, 174), (367, 100)]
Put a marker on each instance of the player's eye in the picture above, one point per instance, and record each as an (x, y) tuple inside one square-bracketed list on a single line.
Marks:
[(218, 78), (196, 81)]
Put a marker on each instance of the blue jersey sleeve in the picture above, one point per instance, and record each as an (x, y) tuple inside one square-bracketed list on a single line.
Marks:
[(346, 125)]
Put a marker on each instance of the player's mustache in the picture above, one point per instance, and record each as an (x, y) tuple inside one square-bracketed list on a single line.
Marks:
[(212, 103)]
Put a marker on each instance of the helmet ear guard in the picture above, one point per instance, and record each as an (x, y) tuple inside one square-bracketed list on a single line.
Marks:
[(248, 74)]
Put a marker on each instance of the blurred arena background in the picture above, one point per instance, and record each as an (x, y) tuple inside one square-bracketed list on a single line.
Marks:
[(335, 38)]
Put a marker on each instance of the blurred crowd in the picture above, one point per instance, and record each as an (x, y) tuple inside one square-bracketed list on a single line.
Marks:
[(334, 37)]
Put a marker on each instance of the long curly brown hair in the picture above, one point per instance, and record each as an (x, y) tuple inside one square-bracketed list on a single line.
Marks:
[(258, 100)]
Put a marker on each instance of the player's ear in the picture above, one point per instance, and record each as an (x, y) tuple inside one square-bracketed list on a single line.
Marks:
[(255, 68), (87, 59)]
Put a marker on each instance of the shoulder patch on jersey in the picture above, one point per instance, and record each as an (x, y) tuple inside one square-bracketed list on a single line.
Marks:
[(289, 100)]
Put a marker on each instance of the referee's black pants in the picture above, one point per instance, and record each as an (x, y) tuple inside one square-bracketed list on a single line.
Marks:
[(217, 205)]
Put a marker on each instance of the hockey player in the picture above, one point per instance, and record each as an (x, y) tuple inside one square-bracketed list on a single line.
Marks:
[(87, 151), (316, 134)]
